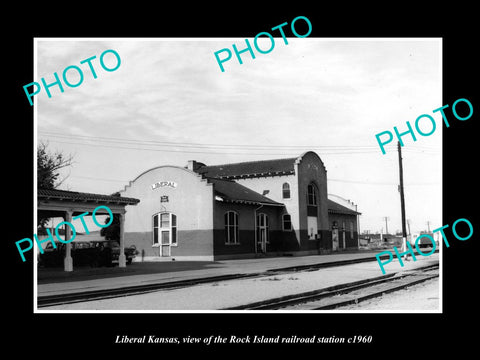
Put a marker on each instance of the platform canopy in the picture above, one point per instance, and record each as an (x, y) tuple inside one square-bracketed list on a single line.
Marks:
[(67, 204)]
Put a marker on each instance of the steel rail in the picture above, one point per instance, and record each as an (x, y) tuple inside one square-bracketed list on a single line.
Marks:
[(315, 295)]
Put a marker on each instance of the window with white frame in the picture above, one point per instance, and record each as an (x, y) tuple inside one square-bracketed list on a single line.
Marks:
[(287, 222), (286, 191), (311, 195), (164, 229), (263, 228), (231, 228)]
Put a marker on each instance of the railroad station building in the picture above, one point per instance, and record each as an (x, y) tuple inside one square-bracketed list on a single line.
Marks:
[(237, 210)]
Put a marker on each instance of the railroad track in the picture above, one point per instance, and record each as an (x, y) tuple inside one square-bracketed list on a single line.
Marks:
[(61, 299), (351, 293), (91, 295)]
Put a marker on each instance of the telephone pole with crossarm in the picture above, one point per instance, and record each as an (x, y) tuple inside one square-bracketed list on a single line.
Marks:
[(402, 201)]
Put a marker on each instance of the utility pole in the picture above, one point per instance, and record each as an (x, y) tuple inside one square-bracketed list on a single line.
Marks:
[(408, 223), (386, 224), (402, 201), (428, 225)]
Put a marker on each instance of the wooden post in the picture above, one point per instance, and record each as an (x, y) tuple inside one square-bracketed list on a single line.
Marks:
[(68, 261)]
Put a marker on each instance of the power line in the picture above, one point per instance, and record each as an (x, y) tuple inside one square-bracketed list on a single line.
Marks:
[(382, 183), (102, 179), (222, 151), (117, 142), (334, 180), (195, 145)]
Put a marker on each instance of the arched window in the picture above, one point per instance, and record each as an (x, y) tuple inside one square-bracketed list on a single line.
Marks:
[(286, 190), (311, 195), (231, 228)]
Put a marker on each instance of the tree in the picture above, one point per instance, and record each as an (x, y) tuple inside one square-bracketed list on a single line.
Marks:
[(48, 165), (112, 232)]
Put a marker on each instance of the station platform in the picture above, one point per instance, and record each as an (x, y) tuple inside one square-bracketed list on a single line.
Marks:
[(57, 282)]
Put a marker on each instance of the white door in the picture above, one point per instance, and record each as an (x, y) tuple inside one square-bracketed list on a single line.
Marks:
[(312, 227), (262, 233), (335, 239)]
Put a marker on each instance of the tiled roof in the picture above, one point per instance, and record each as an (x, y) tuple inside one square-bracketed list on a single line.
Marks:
[(81, 196), (336, 208), (231, 191), (249, 169)]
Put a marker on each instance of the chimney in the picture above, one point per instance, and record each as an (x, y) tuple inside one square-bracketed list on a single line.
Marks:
[(192, 165)]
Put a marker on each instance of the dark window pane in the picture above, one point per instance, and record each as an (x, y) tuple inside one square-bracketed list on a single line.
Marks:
[(311, 195), (287, 222), (155, 235), (174, 220), (155, 221), (174, 235)]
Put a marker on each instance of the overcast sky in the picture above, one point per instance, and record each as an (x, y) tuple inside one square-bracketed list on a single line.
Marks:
[(168, 103)]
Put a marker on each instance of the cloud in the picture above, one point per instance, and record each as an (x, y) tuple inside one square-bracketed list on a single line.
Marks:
[(312, 91)]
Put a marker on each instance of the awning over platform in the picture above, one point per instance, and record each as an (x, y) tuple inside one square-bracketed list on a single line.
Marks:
[(67, 204)]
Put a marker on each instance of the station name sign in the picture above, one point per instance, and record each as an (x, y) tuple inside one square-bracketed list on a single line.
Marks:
[(160, 184)]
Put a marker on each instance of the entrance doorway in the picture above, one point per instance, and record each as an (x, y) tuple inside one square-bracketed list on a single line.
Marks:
[(335, 236), (165, 232), (262, 233)]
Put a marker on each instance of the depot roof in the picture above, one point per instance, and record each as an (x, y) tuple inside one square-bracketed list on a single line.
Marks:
[(55, 194), (335, 208), (249, 169), (230, 191)]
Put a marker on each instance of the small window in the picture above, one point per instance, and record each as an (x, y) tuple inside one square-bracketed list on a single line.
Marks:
[(286, 190), (231, 228), (287, 222), (311, 195)]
